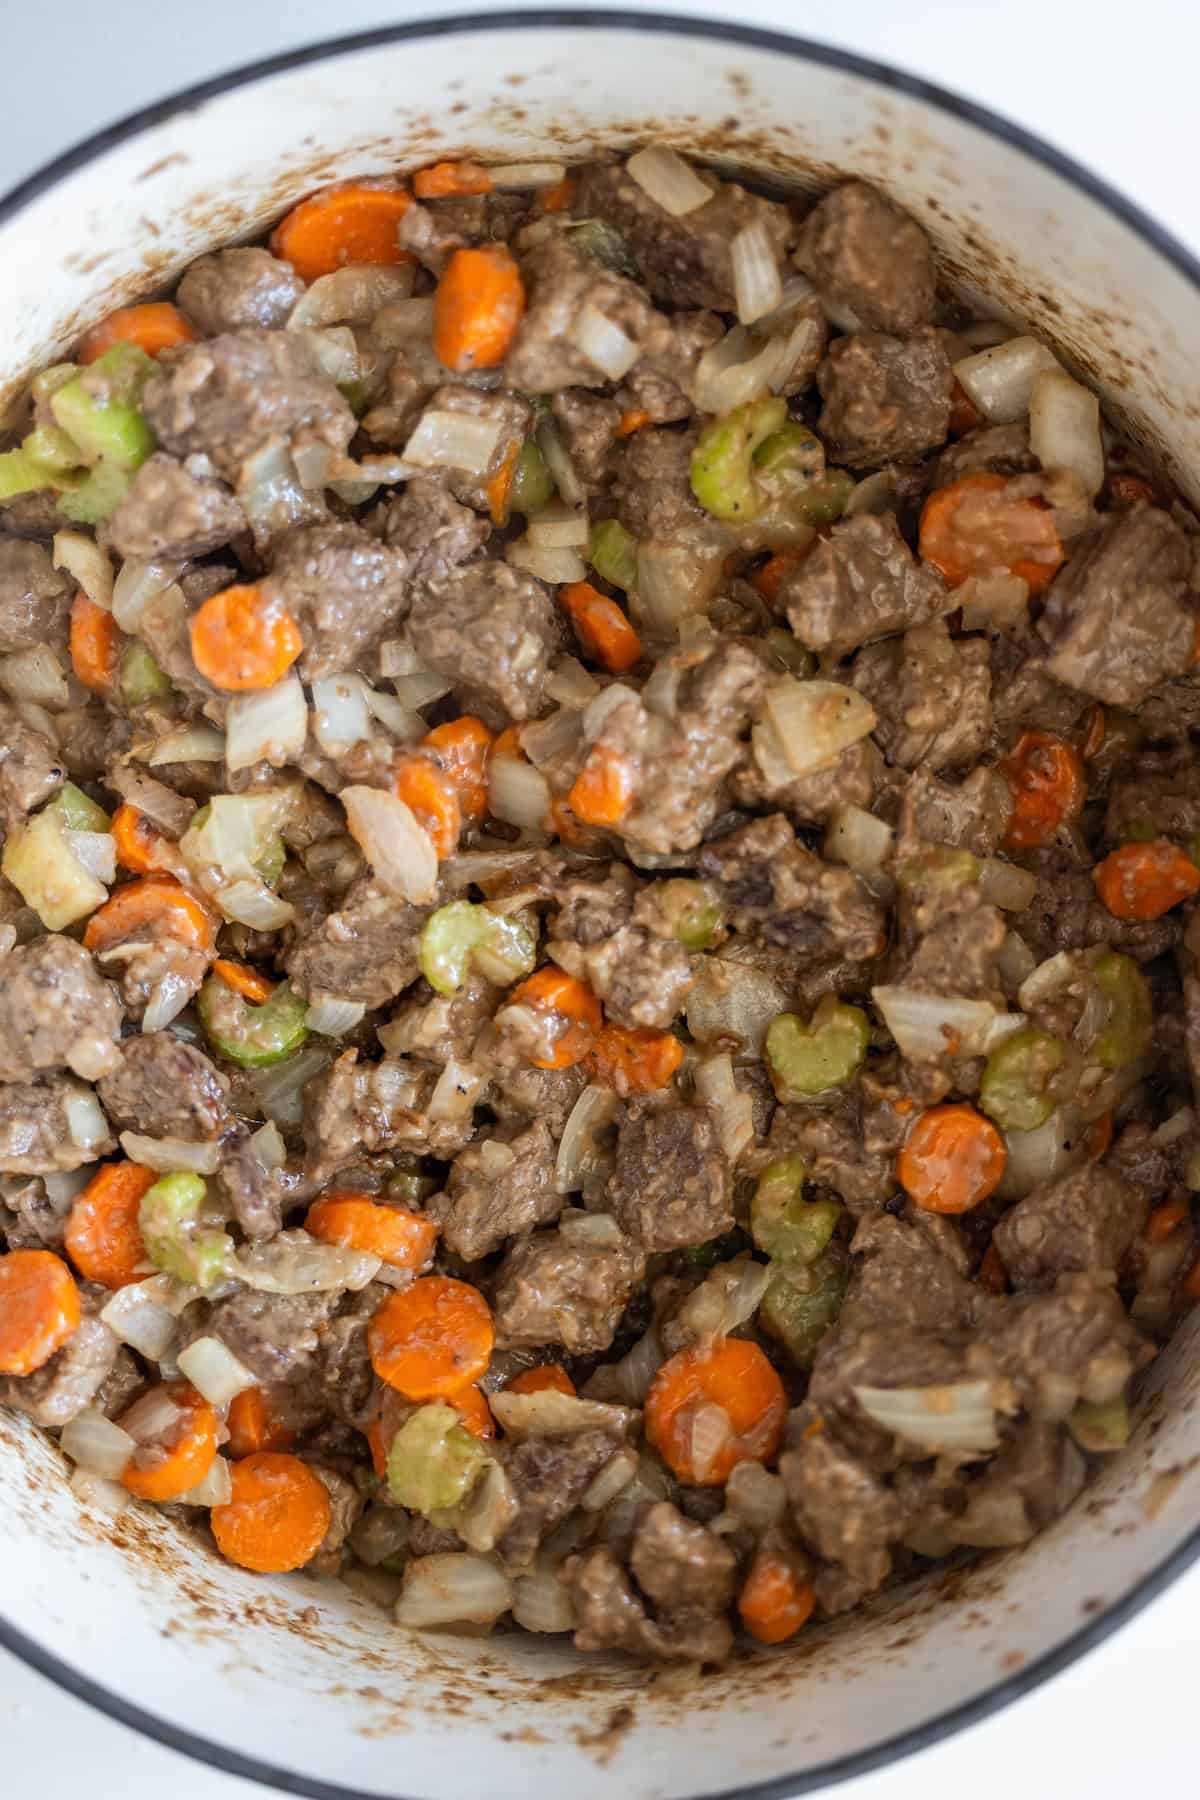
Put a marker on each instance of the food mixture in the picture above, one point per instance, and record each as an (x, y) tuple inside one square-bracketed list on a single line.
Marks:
[(598, 998)]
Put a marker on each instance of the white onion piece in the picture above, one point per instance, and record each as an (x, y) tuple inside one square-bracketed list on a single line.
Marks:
[(96, 850), (94, 1443), (728, 1296), (590, 1228), (1015, 963), (267, 1143), (817, 720), (335, 353), (195, 743), (569, 684), (604, 344), (1049, 978), (928, 1026), (1005, 885), (252, 903), (1064, 428), (86, 1122), (168, 997), (557, 735), (754, 1499), (606, 702), (396, 715), (711, 1430), (578, 1156), (62, 1185), (452, 1588), (541, 1602), (676, 579), (418, 687), (36, 676), (732, 1004), (355, 292), (1000, 380), (341, 716), (1037, 1157), (670, 182), (548, 1413), (757, 281), (734, 1109), (95, 1490), (559, 527), (631, 1377), (1177, 1126), (268, 726), (136, 584), (330, 1017), (518, 793), (271, 492), (558, 461), (550, 566), (615, 1476), (216, 1489), (171, 1153), (527, 175), (457, 1091), (397, 848), (214, 1371), (403, 320), (280, 1088), (140, 1320), (956, 1418), (859, 840), (295, 1263), (84, 560), (453, 440)]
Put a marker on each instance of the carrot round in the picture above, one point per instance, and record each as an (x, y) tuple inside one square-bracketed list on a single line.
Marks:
[(244, 980), (992, 1273), (499, 487), (478, 305), (1048, 785), (601, 627), (403, 1240), (768, 580), (471, 1402), (953, 1160), (430, 796), (732, 1375), (635, 1061), (141, 848), (545, 1378), (145, 906), (350, 224), (463, 747), (103, 1236), (275, 1518), (39, 1309), (965, 530), (253, 1425), (173, 1456), (431, 1340), (379, 1443), (243, 641), (1166, 1219), (573, 1002), (452, 180), (775, 1600), (1144, 881), (603, 788), (634, 418), (95, 644), (154, 326)]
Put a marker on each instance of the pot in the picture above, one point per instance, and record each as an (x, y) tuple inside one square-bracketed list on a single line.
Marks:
[(307, 1686)]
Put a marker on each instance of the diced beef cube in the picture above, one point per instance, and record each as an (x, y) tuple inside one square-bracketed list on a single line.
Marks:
[(863, 252), (785, 894), (1076, 1340), (236, 288), (652, 487), (277, 1336), (991, 450), (56, 1011), (860, 582), (1066, 913), (511, 413), (254, 1192), (950, 938), (344, 587), (658, 384), (496, 1190), (1036, 1476), (886, 399), (366, 951), (642, 976), (441, 1028), (345, 1504), (909, 1276), (849, 780), (36, 1136), (882, 1356), (29, 1219), (31, 767), (35, 598), (166, 1088), (972, 816), (561, 283), (433, 529), (831, 1144), (588, 425), (71, 1380), (683, 1569), (672, 1187), (932, 697), (492, 631), (1025, 697), (33, 515), (356, 1109), (848, 1515), (1087, 1220), (172, 513), (434, 230), (413, 376), (549, 1478), (554, 1290), (1117, 622), (1161, 793), (522, 1091), (348, 1383)]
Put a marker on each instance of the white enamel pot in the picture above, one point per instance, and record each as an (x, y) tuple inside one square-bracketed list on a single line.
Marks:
[(302, 1685)]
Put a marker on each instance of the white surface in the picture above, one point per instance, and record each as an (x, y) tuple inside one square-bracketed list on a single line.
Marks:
[(1110, 84)]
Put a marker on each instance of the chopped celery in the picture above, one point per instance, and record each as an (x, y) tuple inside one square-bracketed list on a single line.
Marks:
[(252, 1036), (410, 1187), (97, 497), (804, 1060), (503, 949), (722, 469), (356, 395), (141, 677), (21, 473), (1130, 1025), (76, 812), (613, 554), (803, 1301), (785, 1225), (604, 244), (176, 1240), (692, 912), (51, 447), (790, 451), (936, 870), (1016, 1089), (433, 1461), (98, 409), (532, 483), (48, 875), (1100, 1425), (820, 502), (51, 379), (789, 652)]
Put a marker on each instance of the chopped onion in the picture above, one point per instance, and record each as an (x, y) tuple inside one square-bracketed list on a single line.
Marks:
[(549, 565), (195, 743), (138, 1317), (675, 579), (606, 702), (1048, 979), (1015, 963), (527, 175), (995, 600), (418, 688), (711, 1430), (728, 1296), (598, 1228), (559, 527), (1177, 1126), (569, 684), (558, 461), (754, 1499), (396, 715), (955, 1418), (474, 867), (216, 1489), (168, 997), (670, 182), (1000, 380), (452, 1587), (734, 1109), (1036, 1157), (578, 1154), (548, 1413), (995, 1519), (136, 584), (743, 366), (36, 676), (86, 1122), (1064, 428), (541, 1602), (334, 1018), (97, 851), (280, 1088), (859, 840), (214, 1371), (268, 726), (95, 1490), (171, 1153), (604, 344), (94, 1443), (272, 495), (84, 560), (732, 1004), (559, 734), (334, 351), (613, 1477), (341, 715), (251, 902), (295, 1263), (817, 720), (1005, 885), (757, 281), (268, 1146), (403, 320), (457, 1092), (631, 1377), (397, 848), (453, 440), (62, 1185), (876, 493), (518, 793), (928, 1026), (355, 293)]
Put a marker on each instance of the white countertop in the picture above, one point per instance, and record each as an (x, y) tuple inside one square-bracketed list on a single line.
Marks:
[(1113, 84)]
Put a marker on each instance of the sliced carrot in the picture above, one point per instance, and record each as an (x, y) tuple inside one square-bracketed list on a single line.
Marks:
[(602, 627), (776, 1599), (1098, 1137), (478, 305), (157, 901), (965, 530), (276, 1517), (176, 1432), (244, 980), (403, 1240), (545, 1378), (634, 418), (243, 641), (1048, 786), (635, 1061), (953, 1160), (509, 743), (431, 798), (1127, 490), (452, 180), (573, 1003), (154, 326), (1165, 1219), (603, 789), (500, 486), (768, 580), (379, 1443), (566, 826), (142, 848), (463, 747), (471, 1402), (964, 414), (560, 197), (39, 1309), (732, 1375), (103, 1236), (349, 224), (431, 1340), (254, 1426), (991, 1273), (95, 644), (1144, 881)]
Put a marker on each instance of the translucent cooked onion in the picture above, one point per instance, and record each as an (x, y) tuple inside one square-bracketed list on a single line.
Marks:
[(341, 716), (928, 1026), (631, 1377), (744, 366), (711, 1430), (579, 1155), (267, 1144), (86, 1122), (817, 720), (354, 293), (453, 440), (757, 281), (272, 494), (280, 1088), (1015, 963), (95, 1490), (551, 1414), (599, 1228), (675, 579), (507, 176), (541, 1602), (94, 1443), (457, 1092), (558, 461), (334, 1018), (171, 1153), (397, 848), (37, 676), (549, 565), (518, 793), (1005, 885), (1037, 1157), (168, 997), (452, 1587), (732, 1004), (1000, 380), (612, 1479), (295, 1263), (251, 902), (859, 840), (214, 1371), (420, 687), (136, 584), (728, 1296), (754, 1499), (216, 1489), (268, 726), (87, 563), (396, 715), (138, 1317), (956, 1418), (1064, 428), (97, 851), (604, 344), (733, 1108), (569, 684), (195, 743), (1049, 978), (559, 734), (670, 182), (559, 527), (403, 320), (334, 351)]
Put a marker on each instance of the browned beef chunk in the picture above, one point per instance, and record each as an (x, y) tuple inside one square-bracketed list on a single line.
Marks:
[(497, 1190), (932, 697), (549, 1477), (31, 767), (236, 288), (354, 1108), (55, 1011), (850, 780), (492, 631), (1117, 622), (278, 1336), (120, 1386), (345, 589), (554, 1290), (144, 962), (684, 260), (658, 383), (587, 424), (366, 951), (254, 1192), (561, 283), (1087, 1220), (642, 976), (971, 816), (172, 513), (35, 1127), (229, 396), (440, 1028), (345, 1504), (672, 1186), (347, 1381), (57, 1392), (1066, 913), (165, 1088), (651, 485), (1074, 1342), (864, 253), (512, 416), (848, 1515), (883, 1356), (830, 1142), (909, 1276), (860, 581), (413, 376), (434, 230), (35, 598), (681, 1568), (950, 938), (777, 889), (886, 399), (522, 1091), (33, 515), (1159, 796), (29, 1219), (1035, 1478), (991, 450), (433, 529)]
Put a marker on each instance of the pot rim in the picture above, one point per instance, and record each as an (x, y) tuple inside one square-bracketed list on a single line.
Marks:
[(892, 80)]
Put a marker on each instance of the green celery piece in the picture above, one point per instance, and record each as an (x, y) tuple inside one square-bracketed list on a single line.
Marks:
[(254, 1037), (1016, 1085), (790, 653), (692, 912), (532, 483), (411, 1188), (99, 409), (503, 949), (1130, 1025), (356, 396), (21, 473), (790, 451), (803, 1301), (141, 677), (98, 495), (821, 502), (805, 1060), (433, 1461), (605, 245), (613, 554), (76, 811), (722, 468), (1100, 1426), (782, 1223), (50, 380), (175, 1240), (937, 870), (50, 446)]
